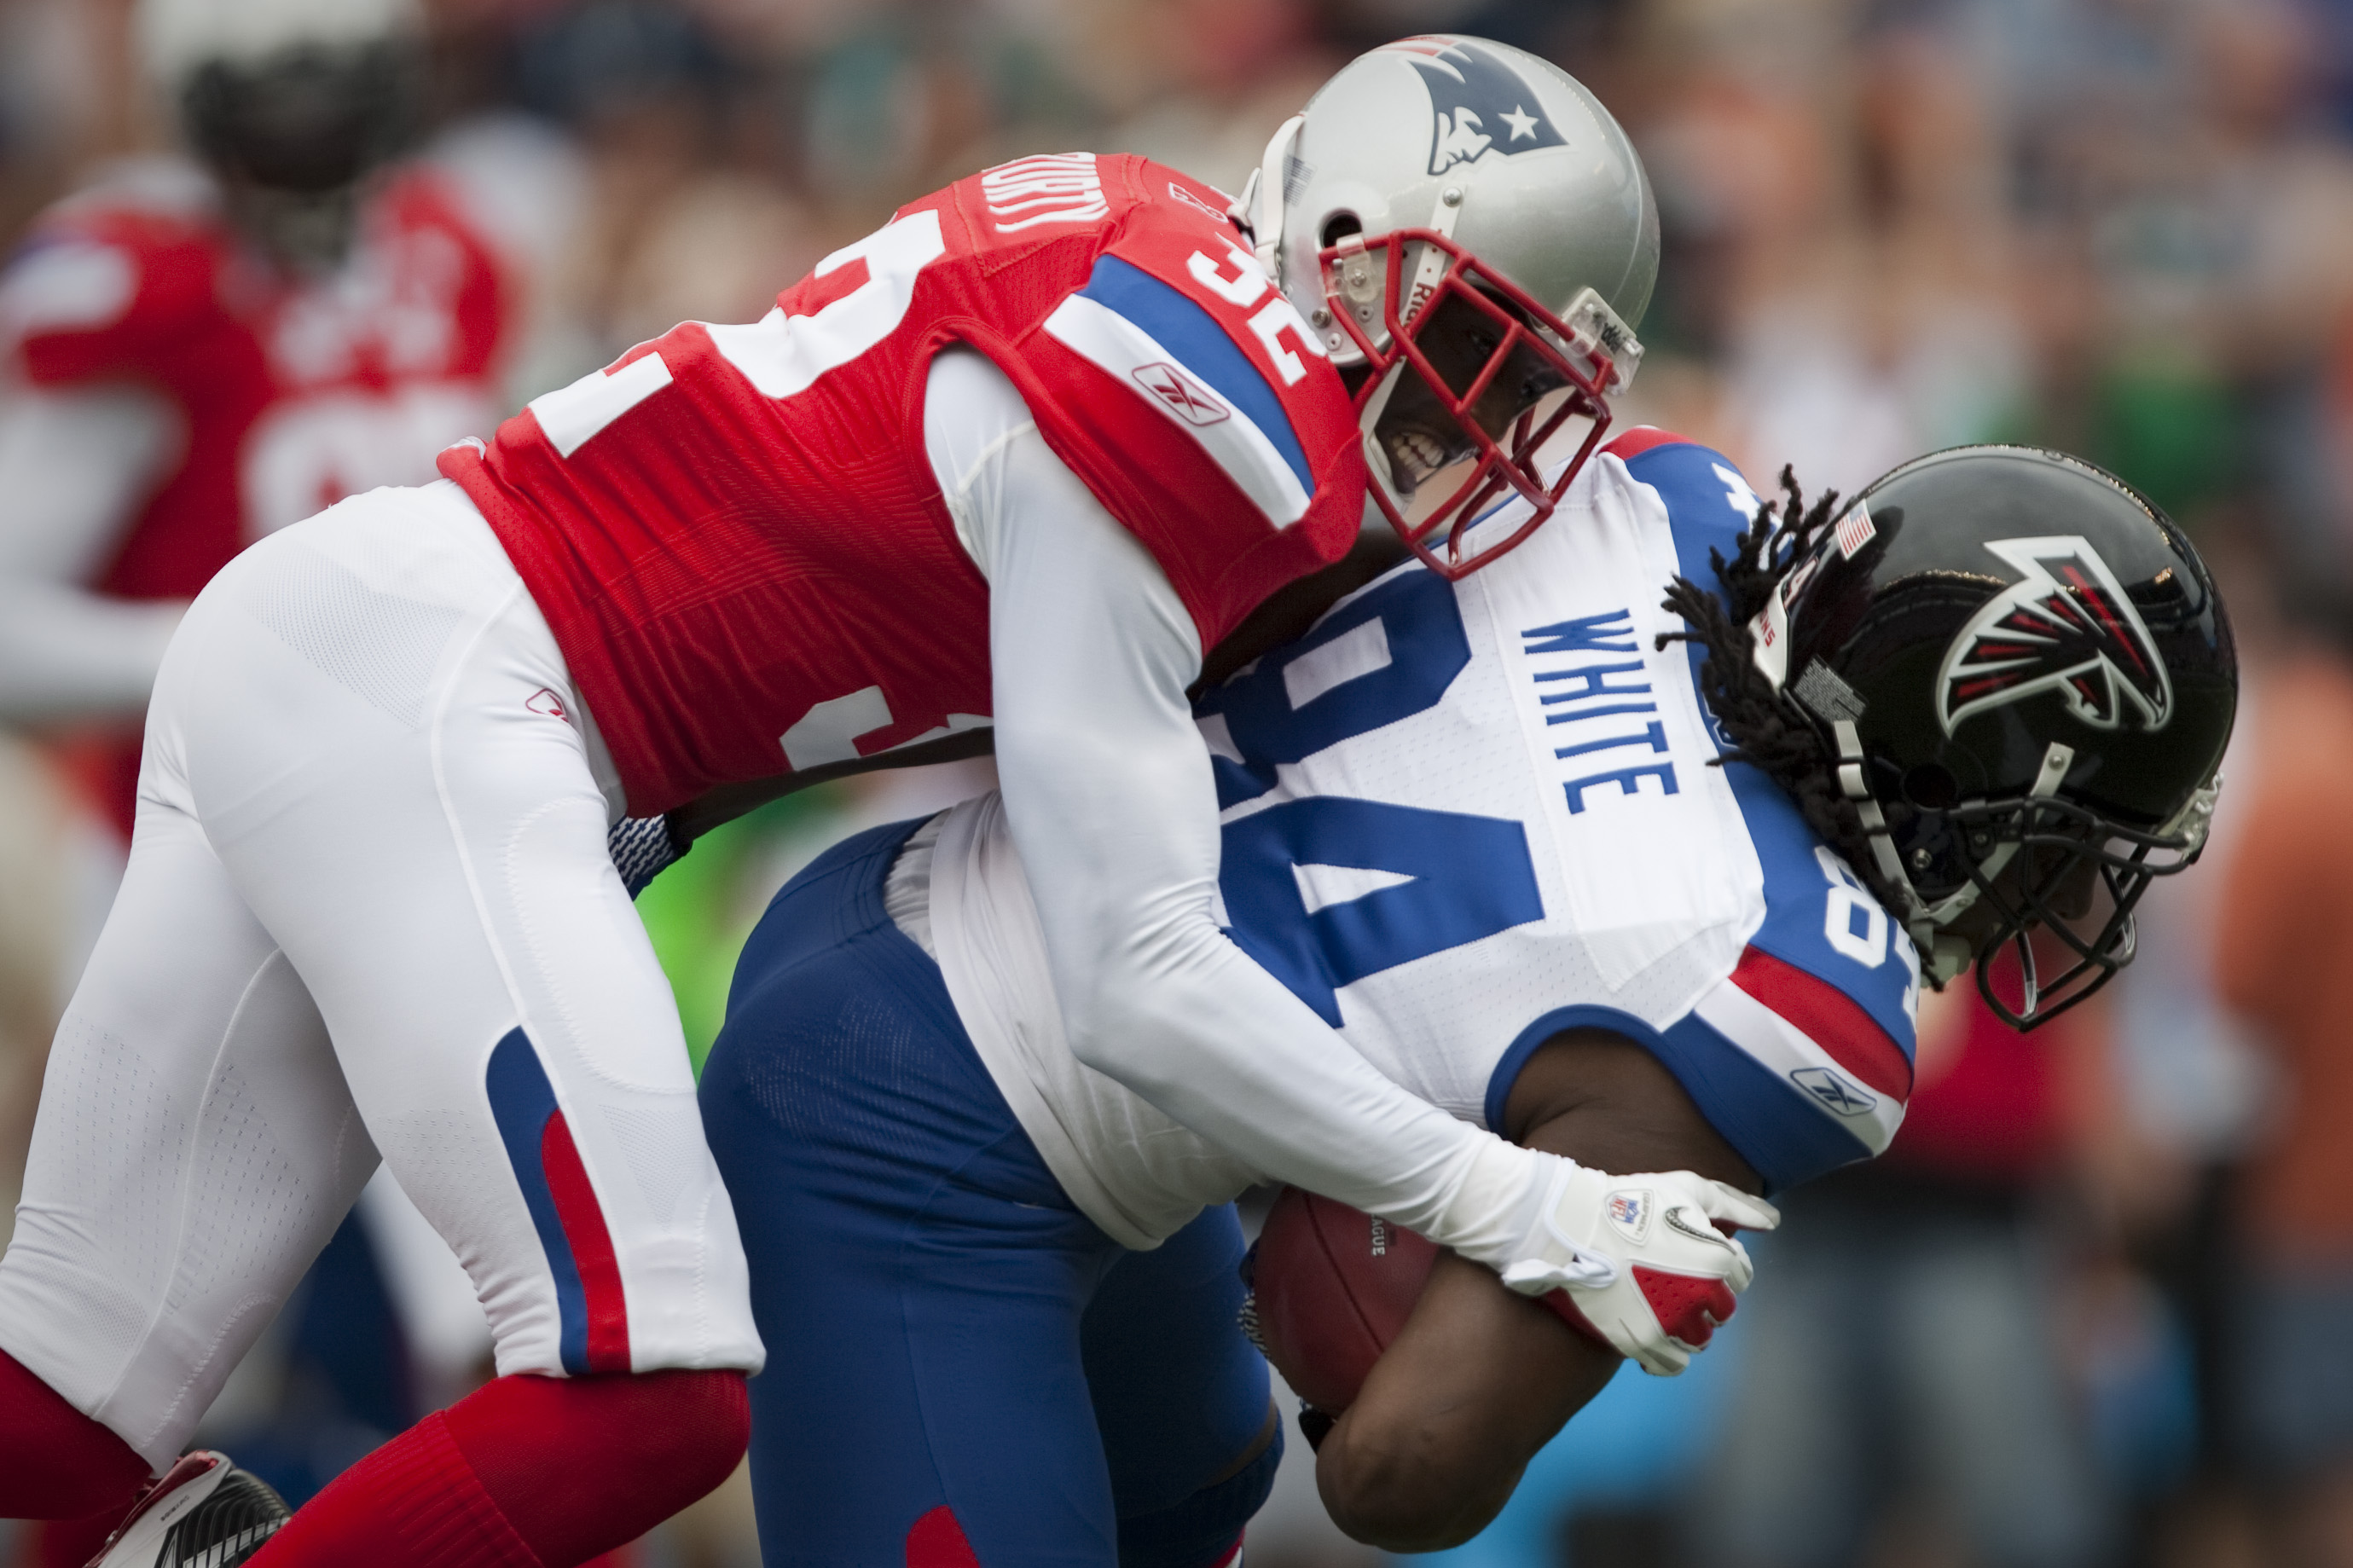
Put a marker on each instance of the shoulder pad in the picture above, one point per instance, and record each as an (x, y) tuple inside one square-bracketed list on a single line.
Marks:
[(101, 285)]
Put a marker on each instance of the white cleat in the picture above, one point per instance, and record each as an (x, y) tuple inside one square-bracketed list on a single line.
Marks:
[(203, 1513)]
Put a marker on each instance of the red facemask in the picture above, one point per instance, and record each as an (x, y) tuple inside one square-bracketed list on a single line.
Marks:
[(1590, 354)]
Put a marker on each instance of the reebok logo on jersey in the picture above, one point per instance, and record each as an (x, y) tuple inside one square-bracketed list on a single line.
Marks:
[(1193, 404), (1478, 103), (2066, 625), (1179, 193), (1836, 1092), (545, 702), (1629, 1211)]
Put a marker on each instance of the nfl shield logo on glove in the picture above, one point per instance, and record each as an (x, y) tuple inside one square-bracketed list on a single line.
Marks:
[(1629, 1211)]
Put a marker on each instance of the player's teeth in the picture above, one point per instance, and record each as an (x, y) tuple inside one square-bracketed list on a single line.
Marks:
[(1423, 449)]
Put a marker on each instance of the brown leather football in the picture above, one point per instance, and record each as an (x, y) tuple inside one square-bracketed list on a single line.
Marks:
[(1330, 1287)]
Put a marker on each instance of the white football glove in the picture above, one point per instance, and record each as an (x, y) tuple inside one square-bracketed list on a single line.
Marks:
[(1636, 1262)]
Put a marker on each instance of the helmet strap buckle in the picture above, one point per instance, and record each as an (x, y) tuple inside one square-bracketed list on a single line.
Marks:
[(1875, 821), (1432, 264)]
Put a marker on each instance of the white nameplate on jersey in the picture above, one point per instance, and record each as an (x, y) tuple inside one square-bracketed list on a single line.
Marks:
[(1055, 187), (1644, 830), (571, 415)]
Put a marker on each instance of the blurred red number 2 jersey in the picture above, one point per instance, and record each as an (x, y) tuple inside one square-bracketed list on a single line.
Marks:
[(288, 394), (735, 530)]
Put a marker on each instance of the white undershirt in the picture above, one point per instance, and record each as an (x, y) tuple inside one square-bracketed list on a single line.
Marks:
[(1110, 803)]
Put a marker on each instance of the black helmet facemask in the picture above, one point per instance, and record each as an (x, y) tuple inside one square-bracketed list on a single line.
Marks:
[(2040, 863)]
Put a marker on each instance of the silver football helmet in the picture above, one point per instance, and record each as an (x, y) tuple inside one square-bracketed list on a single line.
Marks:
[(1469, 224)]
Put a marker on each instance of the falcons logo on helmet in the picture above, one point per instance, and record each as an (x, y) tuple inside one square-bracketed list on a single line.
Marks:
[(2065, 625)]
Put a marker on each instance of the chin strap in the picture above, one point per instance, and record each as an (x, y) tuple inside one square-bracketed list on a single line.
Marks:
[(1943, 957), (1432, 265), (1875, 821)]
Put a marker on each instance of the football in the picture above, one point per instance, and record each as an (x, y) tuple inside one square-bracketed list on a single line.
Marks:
[(1330, 1287)]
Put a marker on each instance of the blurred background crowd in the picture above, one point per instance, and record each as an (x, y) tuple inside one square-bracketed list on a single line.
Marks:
[(2097, 1307)]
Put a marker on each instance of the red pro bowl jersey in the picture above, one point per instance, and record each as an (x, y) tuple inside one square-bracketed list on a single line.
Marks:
[(292, 393), (735, 531), (289, 394)]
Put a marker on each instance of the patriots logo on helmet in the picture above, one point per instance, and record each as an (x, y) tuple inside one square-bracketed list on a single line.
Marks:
[(1478, 103), (2065, 625)]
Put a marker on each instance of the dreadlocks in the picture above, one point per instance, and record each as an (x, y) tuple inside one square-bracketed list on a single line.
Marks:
[(1768, 727)]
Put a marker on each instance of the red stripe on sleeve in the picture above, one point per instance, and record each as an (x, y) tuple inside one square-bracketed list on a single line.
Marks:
[(1831, 1018), (592, 1247), (1641, 439)]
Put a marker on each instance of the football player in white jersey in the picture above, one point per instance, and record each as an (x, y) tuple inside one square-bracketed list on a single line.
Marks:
[(1642, 884)]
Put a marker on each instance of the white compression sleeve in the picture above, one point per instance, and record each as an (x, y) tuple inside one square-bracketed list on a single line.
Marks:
[(73, 466), (1109, 795)]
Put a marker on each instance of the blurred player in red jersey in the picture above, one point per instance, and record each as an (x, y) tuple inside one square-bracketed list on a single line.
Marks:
[(210, 348), (1018, 459), (202, 350)]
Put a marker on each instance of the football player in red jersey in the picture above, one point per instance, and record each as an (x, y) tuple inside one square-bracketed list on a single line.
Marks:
[(1018, 458), (210, 348)]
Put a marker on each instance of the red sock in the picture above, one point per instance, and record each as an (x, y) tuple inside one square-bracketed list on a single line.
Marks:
[(71, 1542), (527, 1473), (56, 1462)]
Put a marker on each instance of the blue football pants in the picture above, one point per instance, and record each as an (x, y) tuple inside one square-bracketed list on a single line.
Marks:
[(946, 1331)]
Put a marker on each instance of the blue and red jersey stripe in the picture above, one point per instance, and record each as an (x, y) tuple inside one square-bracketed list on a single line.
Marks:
[(592, 1306)]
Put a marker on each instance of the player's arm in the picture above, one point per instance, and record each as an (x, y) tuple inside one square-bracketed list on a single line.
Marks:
[(1479, 1378), (1111, 803), (74, 463)]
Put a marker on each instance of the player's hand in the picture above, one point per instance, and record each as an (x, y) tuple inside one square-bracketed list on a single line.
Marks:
[(1640, 1262)]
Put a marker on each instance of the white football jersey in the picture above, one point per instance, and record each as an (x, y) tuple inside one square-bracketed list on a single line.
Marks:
[(1462, 817)]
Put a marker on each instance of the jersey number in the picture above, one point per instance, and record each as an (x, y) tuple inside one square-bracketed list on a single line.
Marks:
[(1442, 878), (779, 354), (1854, 924)]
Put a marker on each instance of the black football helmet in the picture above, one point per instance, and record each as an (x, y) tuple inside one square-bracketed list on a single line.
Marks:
[(292, 102), (2027, 681), (308, 119)]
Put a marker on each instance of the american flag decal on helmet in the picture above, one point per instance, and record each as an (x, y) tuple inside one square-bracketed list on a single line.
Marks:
[(2066, 625), (1855, 530)]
